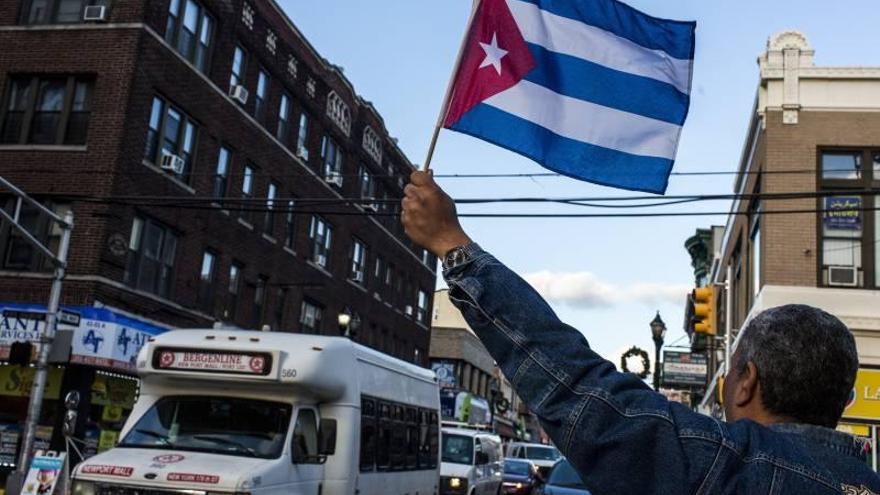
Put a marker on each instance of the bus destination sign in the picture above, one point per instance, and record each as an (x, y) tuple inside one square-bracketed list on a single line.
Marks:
[(240, 363)]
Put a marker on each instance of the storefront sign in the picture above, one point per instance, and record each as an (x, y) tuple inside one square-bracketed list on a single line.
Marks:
[(445, 372), (857, 430), (43, 474), (213, 361), (16, 381), (684, 369), (101, 337), (864, 401), (843, 213)]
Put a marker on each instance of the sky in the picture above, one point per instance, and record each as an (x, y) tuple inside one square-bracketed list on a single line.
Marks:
[(606, 277)]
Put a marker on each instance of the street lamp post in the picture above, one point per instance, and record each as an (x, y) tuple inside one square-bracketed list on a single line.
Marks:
[(658, 331), (348, 323)]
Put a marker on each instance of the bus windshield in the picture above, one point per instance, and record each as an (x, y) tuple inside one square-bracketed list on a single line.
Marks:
[(217, 425), (458, 449)]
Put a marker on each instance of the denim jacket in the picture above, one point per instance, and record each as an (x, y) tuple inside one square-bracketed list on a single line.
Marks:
[(621, 436)]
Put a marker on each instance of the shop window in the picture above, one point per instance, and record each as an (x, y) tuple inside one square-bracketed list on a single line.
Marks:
[(46, 110), (151, 253)]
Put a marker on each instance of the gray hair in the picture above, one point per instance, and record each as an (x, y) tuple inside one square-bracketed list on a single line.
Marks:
[(806, 361)]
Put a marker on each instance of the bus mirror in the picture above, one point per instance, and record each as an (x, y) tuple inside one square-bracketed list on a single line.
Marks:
[(327, 437)]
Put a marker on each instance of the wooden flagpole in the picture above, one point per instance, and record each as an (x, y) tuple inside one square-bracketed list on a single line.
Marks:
[(444, 109)]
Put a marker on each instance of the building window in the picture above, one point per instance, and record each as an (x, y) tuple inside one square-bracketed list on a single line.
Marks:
[(358, 261), (331, 156), (367, 187), (260, 101), (259, 301), (422, 312), (320, 233), (234, 290), (848, 254), (239, 65), (191, 37), (18, 253), (283, 117), (151, 251), (56, 11), (302, 137), (269, 219), (311, 315), (206, 281), (221, 173), (280, 307), (247, 192), (46, 110), (339, 113), (171, 136), (755, 257), (290, 227)]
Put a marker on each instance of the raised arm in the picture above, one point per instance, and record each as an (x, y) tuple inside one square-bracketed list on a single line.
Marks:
[(621, 436)]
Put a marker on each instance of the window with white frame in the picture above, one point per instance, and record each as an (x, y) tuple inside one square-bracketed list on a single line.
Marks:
[(367, 187), (189, 30), (358, 261), (269, 219), (260, 96), (331, 156), (233, 289), (170, 132), (207, 277), (221, 173), (338, 112), (239, 66), (247, 192), (302, 137), (311, 316), (151, 252), (372, 144), (320, 234), (422, 310), (259, 301), (283, 119), (290, 226)]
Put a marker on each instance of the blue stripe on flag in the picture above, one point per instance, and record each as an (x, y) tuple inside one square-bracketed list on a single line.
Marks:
[(673, 37), (567, 156), (584, 80)]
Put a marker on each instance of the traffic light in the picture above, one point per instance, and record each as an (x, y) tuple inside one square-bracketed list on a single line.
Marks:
[(704, 310)]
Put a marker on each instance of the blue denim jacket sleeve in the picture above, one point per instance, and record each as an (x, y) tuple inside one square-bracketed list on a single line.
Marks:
[(620, 435)]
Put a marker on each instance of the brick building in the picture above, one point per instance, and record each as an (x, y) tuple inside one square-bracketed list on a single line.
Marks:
[(219, 170), (812, 130)]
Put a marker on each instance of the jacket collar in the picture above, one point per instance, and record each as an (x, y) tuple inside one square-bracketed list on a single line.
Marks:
[(832, 439)]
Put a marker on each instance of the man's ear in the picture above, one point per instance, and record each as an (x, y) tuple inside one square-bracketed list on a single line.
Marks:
[(747, 387)]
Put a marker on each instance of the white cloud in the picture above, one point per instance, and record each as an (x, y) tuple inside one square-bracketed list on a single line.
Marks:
[(585, 290)]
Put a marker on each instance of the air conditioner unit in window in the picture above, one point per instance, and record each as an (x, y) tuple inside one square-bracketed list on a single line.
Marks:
[(371, 206), (172, 162), (96, 13), (845, 276), (239, 93), (335, 178), (408, 311)]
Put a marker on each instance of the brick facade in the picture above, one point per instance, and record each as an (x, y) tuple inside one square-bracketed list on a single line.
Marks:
[(131, 63)]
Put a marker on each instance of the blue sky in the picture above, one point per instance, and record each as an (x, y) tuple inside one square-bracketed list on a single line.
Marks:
[(614, 273)]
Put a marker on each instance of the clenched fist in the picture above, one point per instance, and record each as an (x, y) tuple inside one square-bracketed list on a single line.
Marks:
[(429, 216)]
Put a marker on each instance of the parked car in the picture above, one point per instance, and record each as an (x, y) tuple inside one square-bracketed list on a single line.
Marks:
[(471, 462), (520, 477), (543, 456), (563, 480)]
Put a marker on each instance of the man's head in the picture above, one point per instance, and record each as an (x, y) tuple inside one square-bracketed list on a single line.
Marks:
[(793, 363)]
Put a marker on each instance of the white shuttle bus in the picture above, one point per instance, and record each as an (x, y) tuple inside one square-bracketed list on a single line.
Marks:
[(224, 412)]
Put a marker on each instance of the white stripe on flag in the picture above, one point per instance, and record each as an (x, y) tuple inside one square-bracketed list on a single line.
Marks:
[(570, 37), (587, 122)]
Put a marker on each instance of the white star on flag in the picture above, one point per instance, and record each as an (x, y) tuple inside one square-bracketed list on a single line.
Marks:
[(494, 54)]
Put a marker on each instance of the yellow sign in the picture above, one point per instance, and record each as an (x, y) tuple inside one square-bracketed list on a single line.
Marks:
[(107, 440), (112, 414), (864, 402), (109, 390), (16, 381)]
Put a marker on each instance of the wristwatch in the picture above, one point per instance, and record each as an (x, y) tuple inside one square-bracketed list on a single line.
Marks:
[(459, 255)]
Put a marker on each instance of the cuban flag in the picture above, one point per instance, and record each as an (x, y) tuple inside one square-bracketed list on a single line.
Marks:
[(592, 89)]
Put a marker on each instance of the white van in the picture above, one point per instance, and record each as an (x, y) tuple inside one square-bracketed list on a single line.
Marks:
[(238, 412), (471, 462), (543, 456)]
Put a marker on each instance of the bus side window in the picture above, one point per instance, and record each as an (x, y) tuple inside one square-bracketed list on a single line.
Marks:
[(424, 460), (305, 437), (412, 438), (434, 440), (368, 434), (398, 439), (383, 449)]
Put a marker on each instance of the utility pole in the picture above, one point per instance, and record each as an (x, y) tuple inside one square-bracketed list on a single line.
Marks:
[(38, 388)]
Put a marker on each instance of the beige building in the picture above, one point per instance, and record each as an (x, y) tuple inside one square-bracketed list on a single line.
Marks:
[(813, 130)]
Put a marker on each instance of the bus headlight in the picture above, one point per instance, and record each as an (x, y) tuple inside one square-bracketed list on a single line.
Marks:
[(82, 488), (455, 482)]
